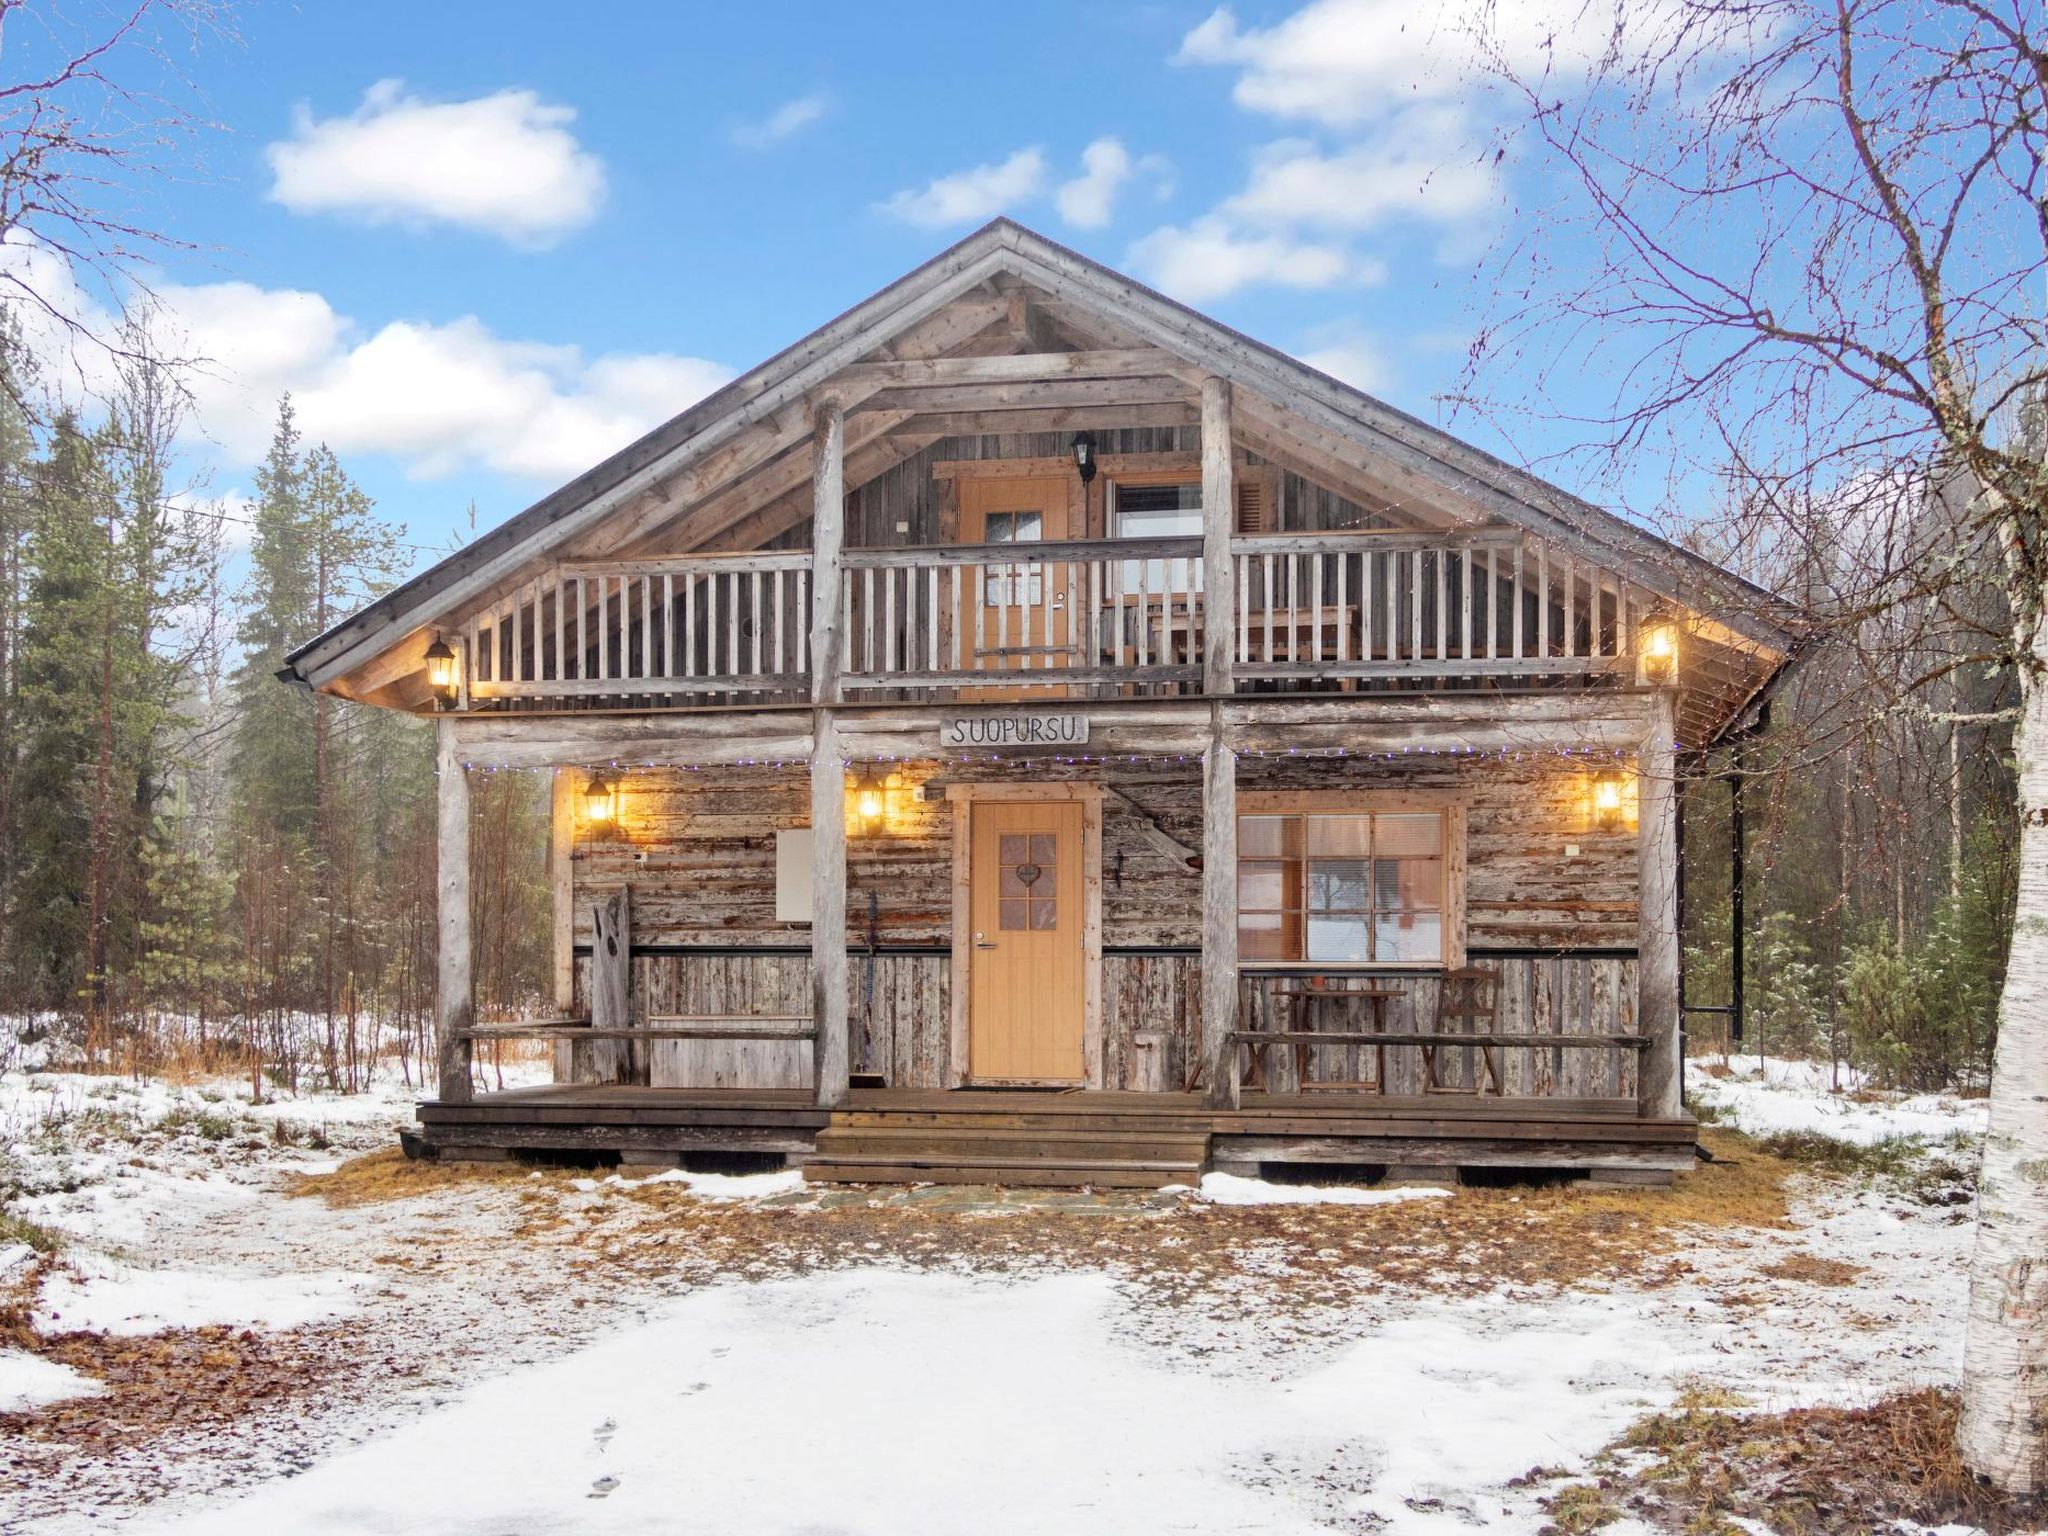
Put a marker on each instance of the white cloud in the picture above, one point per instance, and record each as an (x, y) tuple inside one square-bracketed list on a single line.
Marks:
[(506, 164), (1089, 200), (1414, 167), (439, 397), (1211, 258), (970, 196), (1353, 355), (785, 122)]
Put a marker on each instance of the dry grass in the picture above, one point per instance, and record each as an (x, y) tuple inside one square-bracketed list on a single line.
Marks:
[(388, 1174), (1813, 1270), (1810, 1472), (1530, 1235)]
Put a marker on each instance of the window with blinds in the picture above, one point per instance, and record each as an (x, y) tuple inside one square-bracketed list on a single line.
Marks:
[(1341, 888)]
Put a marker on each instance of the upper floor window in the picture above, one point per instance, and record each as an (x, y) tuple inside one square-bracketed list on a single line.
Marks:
[(1342, 887), (1158, 511)]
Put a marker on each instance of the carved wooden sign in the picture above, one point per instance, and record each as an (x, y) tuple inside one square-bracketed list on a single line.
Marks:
[(1013, 730)]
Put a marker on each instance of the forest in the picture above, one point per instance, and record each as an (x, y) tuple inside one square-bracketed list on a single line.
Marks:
[(202, 870), (205, 870)]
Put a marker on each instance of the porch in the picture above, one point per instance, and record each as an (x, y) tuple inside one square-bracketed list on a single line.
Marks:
[(1105, 1139)]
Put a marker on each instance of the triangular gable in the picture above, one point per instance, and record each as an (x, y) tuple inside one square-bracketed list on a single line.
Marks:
[(763, 412)]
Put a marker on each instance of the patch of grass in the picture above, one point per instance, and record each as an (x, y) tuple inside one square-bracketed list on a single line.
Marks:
[(1577, 1509), (1895, 1157), (390, 1175), (1700, 1466), (1813, 1270), (18, 1229)]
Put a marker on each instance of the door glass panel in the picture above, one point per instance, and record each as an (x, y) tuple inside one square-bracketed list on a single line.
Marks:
[(1012, 915), (1021, 584)]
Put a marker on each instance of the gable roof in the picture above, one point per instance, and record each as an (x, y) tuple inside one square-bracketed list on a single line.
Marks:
[(1393, 441)]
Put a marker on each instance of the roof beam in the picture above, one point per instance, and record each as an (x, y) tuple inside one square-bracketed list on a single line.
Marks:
[(1057, 418), (1036, 394), (1013, 367)]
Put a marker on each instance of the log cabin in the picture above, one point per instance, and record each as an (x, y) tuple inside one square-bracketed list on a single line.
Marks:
[(1028, 732)]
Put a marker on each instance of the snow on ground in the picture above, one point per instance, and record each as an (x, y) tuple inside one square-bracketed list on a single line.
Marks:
[(1234, 1189), (1771, 1096), (29, 1381), (517, 1387)]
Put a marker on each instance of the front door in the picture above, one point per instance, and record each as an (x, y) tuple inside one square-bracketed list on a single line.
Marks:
[(1026, 994), (1018, 616)]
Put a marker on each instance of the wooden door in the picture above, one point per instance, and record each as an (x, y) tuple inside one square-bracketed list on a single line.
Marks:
[(1026, 970), (1016, 614)]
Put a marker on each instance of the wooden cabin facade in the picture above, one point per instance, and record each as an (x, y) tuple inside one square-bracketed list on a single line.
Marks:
[(1027, 732)]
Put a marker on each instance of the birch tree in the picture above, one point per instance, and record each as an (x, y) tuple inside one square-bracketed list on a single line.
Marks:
[(1804, 241)]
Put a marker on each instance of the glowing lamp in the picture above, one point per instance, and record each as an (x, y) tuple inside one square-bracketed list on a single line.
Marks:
[(1607, 801), (1660, 651), (600, 801), (441, 671), (870, 803)]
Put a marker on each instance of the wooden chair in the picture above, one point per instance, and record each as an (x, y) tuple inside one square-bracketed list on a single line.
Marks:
[(1470, 997)]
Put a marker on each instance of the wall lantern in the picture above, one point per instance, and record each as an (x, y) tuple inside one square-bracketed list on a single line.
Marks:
[(1084, 457), (870, 804), (600, 802), (1607, 801), (441, 672), (1659, 651)]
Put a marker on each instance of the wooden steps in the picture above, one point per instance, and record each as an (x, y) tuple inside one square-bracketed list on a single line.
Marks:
[(1016, 1139)]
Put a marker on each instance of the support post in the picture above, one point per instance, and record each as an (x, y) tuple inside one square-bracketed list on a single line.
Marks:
[(828, 914), (454, 1005), (1738, 881), (562, 904), (611, 986), (1219, 523), (828, 533), (828, 772), (1660, 1088), (1219, 918)]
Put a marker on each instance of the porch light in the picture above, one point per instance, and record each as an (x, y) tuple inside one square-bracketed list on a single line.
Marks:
[(1084, 456), (1607, 802), (1660, 651), (441, 671), (600, 801), (870, 803)]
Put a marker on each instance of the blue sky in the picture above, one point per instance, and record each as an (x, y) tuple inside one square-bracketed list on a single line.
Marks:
[(484, 245)]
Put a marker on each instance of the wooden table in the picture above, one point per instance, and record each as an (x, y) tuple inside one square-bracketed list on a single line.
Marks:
[(1301, 1002)]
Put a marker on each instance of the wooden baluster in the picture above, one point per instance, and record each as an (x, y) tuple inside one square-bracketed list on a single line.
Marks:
[(1443, 602), (1241, 568), (1415, 604), (1367, 575), (733, 664), (1543, 601), (755, 615), (1343, 561), (931, 618), (1266, 603), (1571, 585), (1465, 598)]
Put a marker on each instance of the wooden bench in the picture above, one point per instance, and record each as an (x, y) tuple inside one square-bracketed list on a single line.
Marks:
[(1430, 1041)]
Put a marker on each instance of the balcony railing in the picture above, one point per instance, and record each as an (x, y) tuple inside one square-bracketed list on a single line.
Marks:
[(1086, 618)]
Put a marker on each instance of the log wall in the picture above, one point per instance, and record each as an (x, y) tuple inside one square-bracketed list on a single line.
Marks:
[(698, 850)]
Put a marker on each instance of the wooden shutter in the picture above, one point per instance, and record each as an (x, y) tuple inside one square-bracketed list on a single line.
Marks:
[(1255, 509)]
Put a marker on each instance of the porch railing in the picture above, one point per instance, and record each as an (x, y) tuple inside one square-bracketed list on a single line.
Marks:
[(1396, 606), (1110, 612), (1087, 616), (688, 628)]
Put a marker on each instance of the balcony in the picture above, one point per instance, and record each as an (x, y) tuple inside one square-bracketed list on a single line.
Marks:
[(1097, 618)]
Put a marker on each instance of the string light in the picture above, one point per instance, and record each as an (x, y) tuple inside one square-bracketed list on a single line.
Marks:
[(1466, 753)]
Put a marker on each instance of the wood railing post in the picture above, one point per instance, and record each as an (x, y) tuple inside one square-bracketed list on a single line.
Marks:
[(1219, 522), (1661, 1076), (454, 1007), (828, 773), (1219, 918)]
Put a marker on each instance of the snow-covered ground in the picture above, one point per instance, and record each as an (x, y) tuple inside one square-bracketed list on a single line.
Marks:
[(530, 1354), (1763, 1097)]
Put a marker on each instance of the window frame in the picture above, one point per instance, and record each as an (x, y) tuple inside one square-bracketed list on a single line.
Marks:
[(1451, 805)]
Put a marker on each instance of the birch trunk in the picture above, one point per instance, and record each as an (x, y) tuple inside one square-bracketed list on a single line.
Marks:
[(2003, 1435)]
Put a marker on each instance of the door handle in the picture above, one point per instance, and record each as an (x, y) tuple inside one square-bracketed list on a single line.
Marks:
[(981, 942)]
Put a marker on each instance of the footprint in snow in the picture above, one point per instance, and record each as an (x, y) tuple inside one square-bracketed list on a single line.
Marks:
[(604, 1432), (602, 1487)]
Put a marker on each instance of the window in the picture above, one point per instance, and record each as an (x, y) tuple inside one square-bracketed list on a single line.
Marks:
[(1341, 887), (1020, 585), (1158, 512)]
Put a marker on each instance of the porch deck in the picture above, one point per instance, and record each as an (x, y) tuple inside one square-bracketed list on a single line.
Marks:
[(1055, 1138)]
